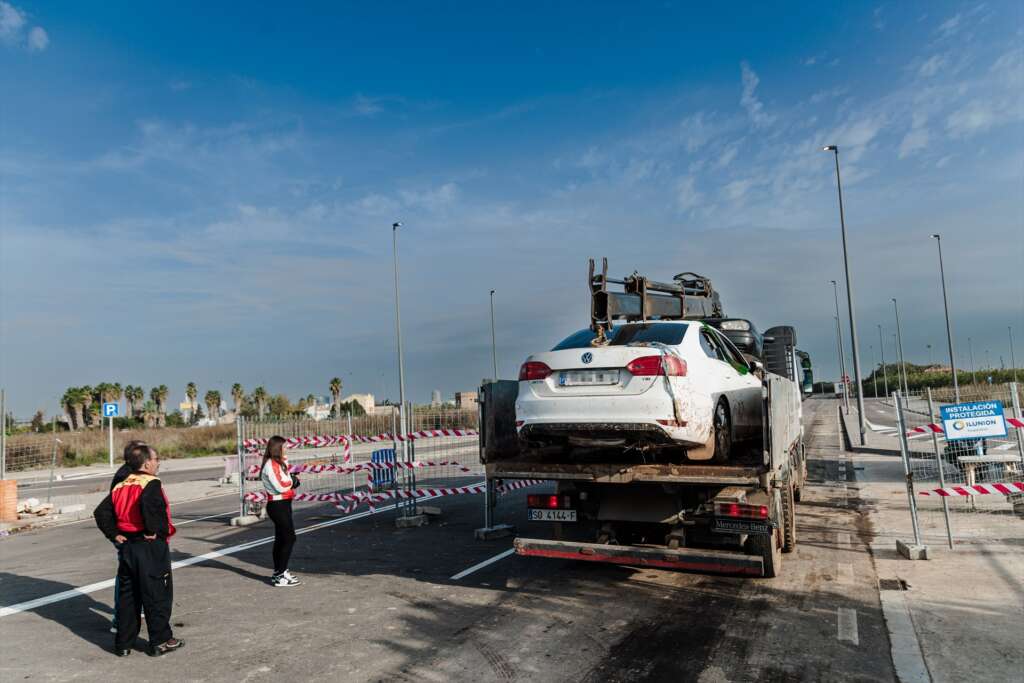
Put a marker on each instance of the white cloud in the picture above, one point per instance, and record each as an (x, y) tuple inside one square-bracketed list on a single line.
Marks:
[(38, 39), (367, 106), (687, 197), (932, 65), (12, 29), (728, 155), (754, 107), (913, 141), (973, 118), (950, 26), (12, 21)]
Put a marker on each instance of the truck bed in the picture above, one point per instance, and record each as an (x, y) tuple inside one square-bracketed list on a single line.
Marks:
[(627, 473)]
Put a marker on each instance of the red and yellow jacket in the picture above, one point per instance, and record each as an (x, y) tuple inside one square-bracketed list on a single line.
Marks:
[(136, 506)]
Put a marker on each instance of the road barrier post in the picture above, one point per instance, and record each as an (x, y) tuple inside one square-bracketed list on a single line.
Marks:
[(940, 462), (239, 438), (918, 551)]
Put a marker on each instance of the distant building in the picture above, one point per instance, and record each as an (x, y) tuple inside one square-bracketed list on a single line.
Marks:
[(364, 400), (435, 398), (319, 409), (465, 400)]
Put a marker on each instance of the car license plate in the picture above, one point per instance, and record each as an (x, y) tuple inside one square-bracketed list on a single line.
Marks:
[(536, 515), (576, 378), (741, 526)]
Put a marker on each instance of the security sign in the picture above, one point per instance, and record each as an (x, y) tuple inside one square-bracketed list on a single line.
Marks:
[(973, 420)]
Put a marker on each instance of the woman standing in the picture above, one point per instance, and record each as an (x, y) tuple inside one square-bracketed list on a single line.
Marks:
[(280, 487)]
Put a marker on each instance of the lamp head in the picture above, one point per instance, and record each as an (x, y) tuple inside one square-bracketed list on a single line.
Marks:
[(936, 237), (396, 226), (830, 148)]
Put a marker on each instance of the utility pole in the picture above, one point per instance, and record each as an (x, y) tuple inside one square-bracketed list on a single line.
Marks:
[(1013, 360), (899, 349), (974, 375), (849, 300), (398, 329), (842, 356), (874, 374), (494, 343), (885, 374), (949, 333)]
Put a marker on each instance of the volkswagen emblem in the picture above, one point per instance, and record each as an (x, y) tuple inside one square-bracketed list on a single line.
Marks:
[(587, 357)]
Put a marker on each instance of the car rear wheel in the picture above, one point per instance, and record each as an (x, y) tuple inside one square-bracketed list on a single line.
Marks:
[(723, 432)]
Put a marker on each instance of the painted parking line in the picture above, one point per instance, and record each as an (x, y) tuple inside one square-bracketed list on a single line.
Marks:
[(846, 625), (188, 562), (466, 572)]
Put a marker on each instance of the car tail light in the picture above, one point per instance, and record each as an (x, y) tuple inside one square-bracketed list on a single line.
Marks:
[(534, 370), (741, 510), (548, 502), (646, 366)]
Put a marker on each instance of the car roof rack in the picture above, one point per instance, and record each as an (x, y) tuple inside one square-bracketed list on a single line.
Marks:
[(689, 297)]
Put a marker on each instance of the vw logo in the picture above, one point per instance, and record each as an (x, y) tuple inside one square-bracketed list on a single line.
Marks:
[(587, 357)]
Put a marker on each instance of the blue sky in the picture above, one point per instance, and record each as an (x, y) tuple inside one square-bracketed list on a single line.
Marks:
[(193, 193)]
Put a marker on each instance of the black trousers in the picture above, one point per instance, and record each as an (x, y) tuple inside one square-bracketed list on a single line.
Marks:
[(280, 511), (144, 580)]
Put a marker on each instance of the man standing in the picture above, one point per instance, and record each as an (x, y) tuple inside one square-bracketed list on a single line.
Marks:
[(137, 517), (120, 475)]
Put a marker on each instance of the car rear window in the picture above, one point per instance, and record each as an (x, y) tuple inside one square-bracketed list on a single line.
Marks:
[(631, 333)]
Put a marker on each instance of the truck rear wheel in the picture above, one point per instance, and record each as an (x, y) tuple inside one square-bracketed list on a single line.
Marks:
[(770, 550), (789, 518)]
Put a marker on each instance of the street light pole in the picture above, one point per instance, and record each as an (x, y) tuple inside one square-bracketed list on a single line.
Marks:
[(842, 356), (949, 333), (970, 349), (849, 298), (1013, 361), (874, 374), (398, 329), (899, 349), (885, 374), (494, 343)]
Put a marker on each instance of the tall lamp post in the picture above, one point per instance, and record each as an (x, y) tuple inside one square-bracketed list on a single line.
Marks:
[(1013, 361), (949, 333), (849, 297), (970, 350), (842, 356), (398, 329), (494, 343), (885, 373), (874, 373), (899, 348)]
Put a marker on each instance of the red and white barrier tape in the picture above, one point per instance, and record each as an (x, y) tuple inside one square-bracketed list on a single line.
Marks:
[(322, 441), (299, 442), (413, 436), (366, 466), (1006, 489), (1015, 423)]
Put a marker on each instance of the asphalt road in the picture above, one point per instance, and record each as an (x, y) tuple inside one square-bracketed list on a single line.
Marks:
[(96, 483), (380, 603)]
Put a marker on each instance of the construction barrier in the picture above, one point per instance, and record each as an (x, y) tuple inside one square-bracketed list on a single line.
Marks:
[(1011, 422), (1003, 488)]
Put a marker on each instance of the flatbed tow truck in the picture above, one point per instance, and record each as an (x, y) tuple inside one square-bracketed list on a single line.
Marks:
[(734, 517)]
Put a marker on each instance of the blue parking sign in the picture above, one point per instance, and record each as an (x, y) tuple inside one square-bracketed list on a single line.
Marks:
[(111, 409)]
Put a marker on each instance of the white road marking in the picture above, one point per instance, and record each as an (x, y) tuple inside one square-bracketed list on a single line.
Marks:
[(846, 622), (466, 572), (878, 428), (199, 519), (101, 585), (904, 646), (843, 540), (844, 574)]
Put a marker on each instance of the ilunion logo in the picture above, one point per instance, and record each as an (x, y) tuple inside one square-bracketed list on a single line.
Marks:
[(587, 357), (958, 425)]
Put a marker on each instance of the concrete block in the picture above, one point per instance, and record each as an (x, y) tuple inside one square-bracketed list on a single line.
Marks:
[(411, 521), (496, 531), (429, 510), (244, 520), (68, 509), (912, 552), (233, 478)]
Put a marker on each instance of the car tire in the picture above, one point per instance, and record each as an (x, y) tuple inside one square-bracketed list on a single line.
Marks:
[(722, 427)]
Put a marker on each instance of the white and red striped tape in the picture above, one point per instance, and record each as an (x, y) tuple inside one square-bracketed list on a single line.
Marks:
[(299, 442), (254, 445), (1006, 489), (1013, 422), (365, 466), (412, 436)]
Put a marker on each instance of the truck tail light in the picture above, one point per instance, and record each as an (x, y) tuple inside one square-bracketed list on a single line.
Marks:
[(647, 366), (548, 502), (741, 510), (534, 370)]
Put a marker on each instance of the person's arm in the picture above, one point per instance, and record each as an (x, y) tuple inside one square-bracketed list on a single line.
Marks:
[(106, 520), (154, 510)]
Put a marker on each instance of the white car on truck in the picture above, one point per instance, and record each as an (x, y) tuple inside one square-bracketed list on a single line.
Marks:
[(662, 388)]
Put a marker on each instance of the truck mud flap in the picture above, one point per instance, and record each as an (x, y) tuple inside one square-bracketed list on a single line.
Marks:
[(691, 559)]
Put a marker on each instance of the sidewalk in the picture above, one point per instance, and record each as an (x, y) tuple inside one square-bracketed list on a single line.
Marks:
[(959, 615), (103, 469)]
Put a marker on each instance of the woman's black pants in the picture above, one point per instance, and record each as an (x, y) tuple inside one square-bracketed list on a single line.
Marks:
[(280, 511)]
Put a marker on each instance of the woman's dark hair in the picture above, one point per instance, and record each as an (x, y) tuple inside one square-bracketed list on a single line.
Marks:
[(275, 451)]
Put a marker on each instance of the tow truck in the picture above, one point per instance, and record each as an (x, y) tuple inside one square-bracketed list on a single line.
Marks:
[(736, 517)]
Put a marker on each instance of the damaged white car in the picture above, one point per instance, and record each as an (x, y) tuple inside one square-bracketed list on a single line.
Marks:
[(665, 391)]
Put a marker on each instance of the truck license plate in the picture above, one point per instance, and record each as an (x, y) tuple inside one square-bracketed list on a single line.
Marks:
[(537, 515), (576, 378), (741, 526)]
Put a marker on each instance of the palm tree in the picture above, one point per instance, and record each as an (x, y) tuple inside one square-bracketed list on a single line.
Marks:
[(238, 395), (212, 400), (159, 397), (72, 402), (129, 397), (335, 393), (85, 414), (150, 414), (191, 392), (259, 395), (138, 396)]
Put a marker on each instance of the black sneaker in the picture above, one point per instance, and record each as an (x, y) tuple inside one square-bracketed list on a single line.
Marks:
[(123, 653), (170, 646)]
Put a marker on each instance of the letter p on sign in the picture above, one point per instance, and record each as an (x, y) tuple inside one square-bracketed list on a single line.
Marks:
[(110, 409)]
